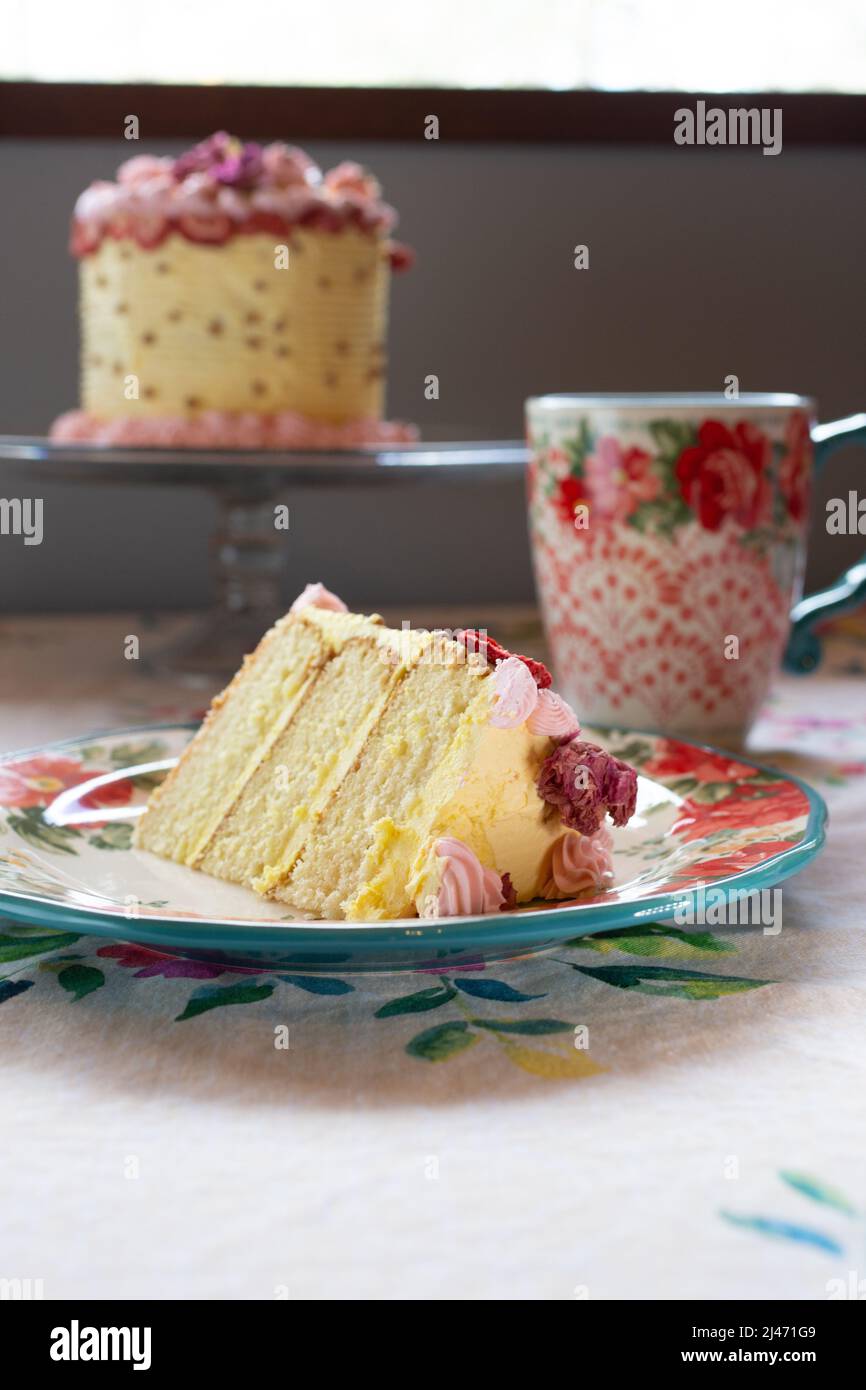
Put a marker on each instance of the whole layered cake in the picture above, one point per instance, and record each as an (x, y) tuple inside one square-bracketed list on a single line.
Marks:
[(358, 772), (235, 297)]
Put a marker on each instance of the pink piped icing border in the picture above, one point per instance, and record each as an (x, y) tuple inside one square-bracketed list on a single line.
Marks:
[(222, 429), (518, 700), (224, 187)]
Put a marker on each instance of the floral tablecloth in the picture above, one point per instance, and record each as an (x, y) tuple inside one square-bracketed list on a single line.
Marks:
[(174, 1131)]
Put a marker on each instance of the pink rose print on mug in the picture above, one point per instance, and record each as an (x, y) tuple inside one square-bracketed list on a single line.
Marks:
[(725, 475), (619, 479)]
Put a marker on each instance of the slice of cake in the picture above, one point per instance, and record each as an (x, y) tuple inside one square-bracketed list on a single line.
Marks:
[(355, 771), (234, 297)]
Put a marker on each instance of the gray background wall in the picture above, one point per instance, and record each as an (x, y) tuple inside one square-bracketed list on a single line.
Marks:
[(702, 264)]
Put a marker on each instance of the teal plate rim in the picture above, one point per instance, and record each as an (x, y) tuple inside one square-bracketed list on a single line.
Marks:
[(489, 933)]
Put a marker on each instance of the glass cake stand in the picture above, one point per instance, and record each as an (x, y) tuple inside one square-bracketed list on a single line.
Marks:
[(249, 554)]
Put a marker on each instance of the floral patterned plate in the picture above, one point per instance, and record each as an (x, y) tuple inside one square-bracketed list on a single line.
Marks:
[(703, 819)]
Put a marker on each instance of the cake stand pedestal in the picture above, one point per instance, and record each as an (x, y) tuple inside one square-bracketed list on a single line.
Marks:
[(249, 553), (248, 563)]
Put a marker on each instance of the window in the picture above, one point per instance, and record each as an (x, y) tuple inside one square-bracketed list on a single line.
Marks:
[(608, 45)]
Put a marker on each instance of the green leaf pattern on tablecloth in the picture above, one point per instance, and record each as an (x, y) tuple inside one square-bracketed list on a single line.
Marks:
[(417, 1003), (816, 1191), (80, 980), (785, 1230), (218, 996), (20, 943), (556, 1051), (660, 979), (439, 1043), (9, 989), (660, 939)]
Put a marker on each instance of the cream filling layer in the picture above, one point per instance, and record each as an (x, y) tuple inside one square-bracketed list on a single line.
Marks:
[(331, 771), (398, 652), (185, 810), (335, 629)]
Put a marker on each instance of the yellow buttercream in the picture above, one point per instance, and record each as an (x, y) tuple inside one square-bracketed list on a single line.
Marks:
[(498, 813), (187, 327)]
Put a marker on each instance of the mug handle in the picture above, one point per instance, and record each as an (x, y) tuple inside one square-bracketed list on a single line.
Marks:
[(803, 652)]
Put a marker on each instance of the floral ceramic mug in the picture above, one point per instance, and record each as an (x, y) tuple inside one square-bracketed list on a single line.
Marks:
[(669, 543)]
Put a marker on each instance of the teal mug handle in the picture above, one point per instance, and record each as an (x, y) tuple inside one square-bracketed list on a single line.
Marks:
[(803, 652)]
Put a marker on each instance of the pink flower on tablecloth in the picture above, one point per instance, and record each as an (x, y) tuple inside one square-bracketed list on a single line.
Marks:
[(153, 963), (820, 722), (618, 479), (451, 969)]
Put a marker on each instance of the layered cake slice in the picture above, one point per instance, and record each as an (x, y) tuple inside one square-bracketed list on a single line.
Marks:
[(355, 771), (234, 296)]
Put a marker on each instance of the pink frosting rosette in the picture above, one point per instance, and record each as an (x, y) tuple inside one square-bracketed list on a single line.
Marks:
[(579, 862), (466, 887), (142, 168), (317, 596), (350, 177), (286, 166), (553, 716), (515, 694)]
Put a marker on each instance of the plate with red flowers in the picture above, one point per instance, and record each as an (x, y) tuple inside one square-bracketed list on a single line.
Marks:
[(711, 831)]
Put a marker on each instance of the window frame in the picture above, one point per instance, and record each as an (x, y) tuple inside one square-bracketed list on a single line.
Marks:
[(78, 110)]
